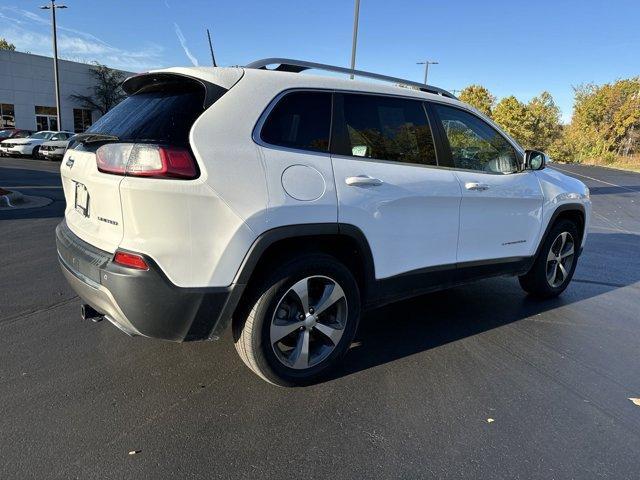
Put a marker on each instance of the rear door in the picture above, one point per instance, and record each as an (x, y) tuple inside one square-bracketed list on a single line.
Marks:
[(389, 185), (161, 112), (501, 208)]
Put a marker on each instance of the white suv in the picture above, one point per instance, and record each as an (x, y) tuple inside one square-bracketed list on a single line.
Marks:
[(287, 203)]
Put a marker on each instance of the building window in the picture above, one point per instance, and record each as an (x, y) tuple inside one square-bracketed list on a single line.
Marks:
[(46, 118), (7, 116), (81, 119)]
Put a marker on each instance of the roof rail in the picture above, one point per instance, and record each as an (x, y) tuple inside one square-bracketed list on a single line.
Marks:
[(297, 66)]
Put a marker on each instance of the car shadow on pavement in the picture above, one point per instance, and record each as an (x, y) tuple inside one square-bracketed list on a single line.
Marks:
[(405, 328)]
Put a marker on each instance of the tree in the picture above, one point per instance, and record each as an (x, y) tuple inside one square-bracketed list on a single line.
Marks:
[(513, 115), (107, 91), (543, 117), (5, 45), (606, 120), (478, 97)]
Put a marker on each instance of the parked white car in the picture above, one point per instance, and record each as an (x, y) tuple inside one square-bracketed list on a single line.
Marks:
[(53, 149), (30, 146), (286, 204)]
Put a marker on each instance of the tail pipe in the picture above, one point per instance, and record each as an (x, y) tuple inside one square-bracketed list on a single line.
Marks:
[(89, 313)]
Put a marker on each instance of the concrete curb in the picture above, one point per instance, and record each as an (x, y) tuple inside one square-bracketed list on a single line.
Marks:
[(17, 201), (11, 199)]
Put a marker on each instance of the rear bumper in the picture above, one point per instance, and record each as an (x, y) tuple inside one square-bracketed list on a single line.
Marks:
[(142, 302)]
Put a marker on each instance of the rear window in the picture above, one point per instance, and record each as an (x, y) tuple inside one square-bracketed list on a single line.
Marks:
[(300, 120), (161, 114)]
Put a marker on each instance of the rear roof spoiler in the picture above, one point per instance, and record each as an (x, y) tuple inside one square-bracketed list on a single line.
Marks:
[(136, 83)]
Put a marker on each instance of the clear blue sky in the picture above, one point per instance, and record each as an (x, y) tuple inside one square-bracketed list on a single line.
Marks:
[(511, 47)]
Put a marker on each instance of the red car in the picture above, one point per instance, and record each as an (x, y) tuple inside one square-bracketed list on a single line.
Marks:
[(14, 133)]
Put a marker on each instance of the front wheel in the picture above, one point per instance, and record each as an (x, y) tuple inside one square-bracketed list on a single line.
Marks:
[(556, 263), (304, 317)]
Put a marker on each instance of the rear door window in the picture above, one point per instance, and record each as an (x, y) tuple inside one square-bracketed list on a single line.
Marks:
[(385, 128), (300, 120), (159, 114)]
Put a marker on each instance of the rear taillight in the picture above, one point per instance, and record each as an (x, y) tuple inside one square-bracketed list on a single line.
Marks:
[(146, 160), (130, 260)]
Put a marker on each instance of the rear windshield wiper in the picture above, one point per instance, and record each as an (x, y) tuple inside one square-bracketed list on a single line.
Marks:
[(94, 138)]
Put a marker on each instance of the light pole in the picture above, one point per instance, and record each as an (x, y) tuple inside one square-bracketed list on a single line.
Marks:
[(356, 15), (426, 64), (52, 6)]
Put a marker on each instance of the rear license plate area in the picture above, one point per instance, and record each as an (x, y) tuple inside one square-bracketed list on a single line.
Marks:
[(82, 199)]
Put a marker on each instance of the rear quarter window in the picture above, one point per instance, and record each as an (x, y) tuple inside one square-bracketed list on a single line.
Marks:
[(300, 120)]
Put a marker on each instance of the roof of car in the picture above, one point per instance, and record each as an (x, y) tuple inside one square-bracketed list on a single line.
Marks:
[(228, 76)]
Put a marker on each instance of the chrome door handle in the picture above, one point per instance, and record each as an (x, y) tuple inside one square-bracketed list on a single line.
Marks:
[(361, 180), (476, 186)]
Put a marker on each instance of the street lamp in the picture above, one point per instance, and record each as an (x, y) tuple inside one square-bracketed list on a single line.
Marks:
[(356, 15), (426, 64), (52, 6)]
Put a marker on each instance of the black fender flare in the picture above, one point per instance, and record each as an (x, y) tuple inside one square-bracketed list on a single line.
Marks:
[(565, 207), (274, 235), (270, 237)]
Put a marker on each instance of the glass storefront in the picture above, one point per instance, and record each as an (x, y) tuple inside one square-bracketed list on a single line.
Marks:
[(46, 118)]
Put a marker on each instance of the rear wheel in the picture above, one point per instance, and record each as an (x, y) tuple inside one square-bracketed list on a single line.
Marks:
[(556, 263), (35, 152), (303, 319)]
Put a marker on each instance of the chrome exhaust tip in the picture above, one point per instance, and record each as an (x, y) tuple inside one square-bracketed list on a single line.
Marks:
[(87, 312)]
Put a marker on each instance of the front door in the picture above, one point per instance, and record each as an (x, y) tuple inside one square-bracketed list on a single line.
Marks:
[(501, 208), (46, 122), (389, 185)]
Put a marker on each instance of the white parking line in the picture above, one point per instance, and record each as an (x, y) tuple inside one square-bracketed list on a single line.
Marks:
[(595, 179)]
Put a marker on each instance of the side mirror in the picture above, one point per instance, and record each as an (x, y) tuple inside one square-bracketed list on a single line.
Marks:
[(534, 160)]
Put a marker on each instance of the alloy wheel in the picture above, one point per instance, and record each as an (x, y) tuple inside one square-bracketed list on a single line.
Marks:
[(560, 259), (308, 322)]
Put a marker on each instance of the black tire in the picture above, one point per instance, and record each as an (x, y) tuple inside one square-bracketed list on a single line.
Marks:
[(536, 281), (252, 330), (35, 152)]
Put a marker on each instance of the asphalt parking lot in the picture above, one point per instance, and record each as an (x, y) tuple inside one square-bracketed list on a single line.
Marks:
[(474, 382)]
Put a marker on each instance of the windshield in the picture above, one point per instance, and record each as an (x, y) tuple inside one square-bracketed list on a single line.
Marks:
[(164, 116), (42, 135), (5, 133)]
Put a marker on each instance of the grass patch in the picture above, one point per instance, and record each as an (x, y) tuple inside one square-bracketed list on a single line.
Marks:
[(631, 163)]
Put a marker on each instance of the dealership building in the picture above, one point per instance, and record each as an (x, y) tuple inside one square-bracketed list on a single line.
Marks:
[(27, 93)]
